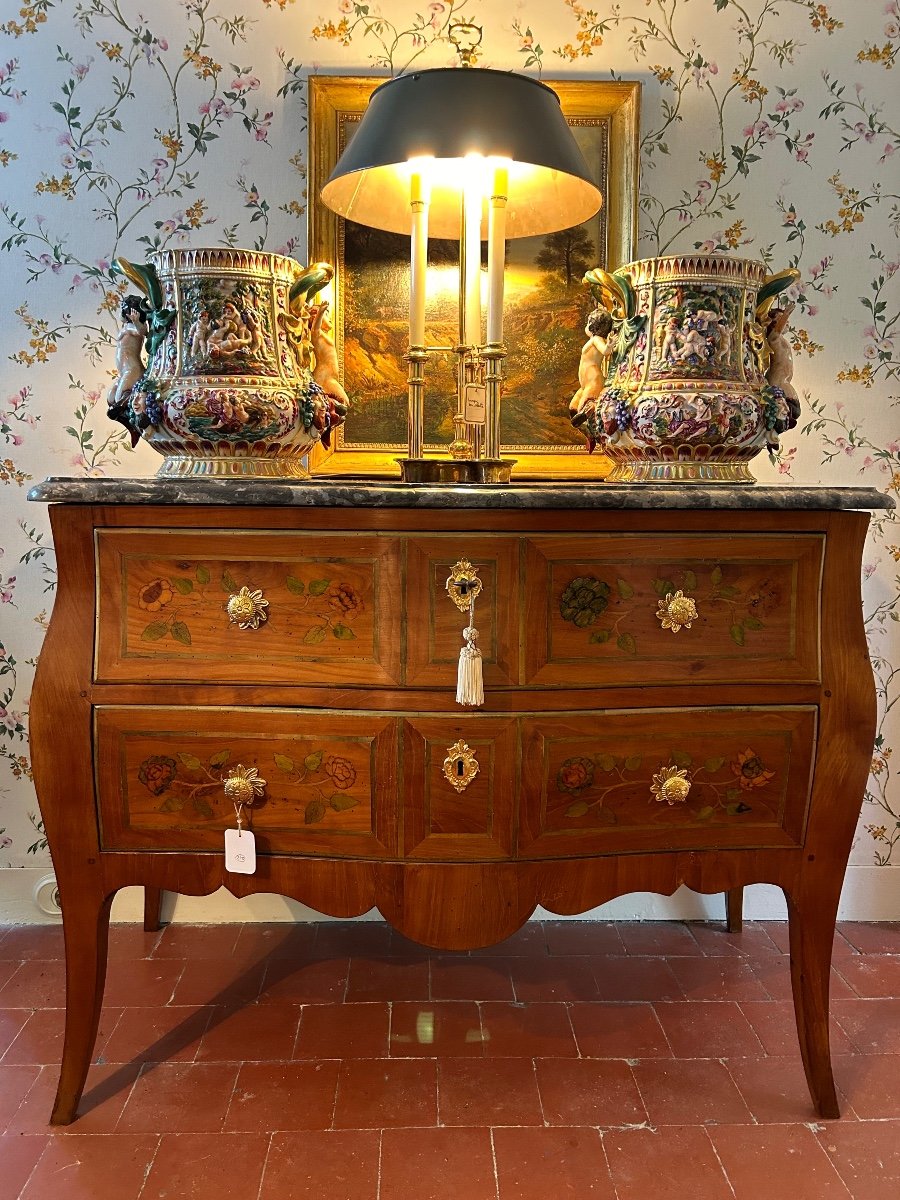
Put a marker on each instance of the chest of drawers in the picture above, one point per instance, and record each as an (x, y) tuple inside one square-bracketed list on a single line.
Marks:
[(677, 690)]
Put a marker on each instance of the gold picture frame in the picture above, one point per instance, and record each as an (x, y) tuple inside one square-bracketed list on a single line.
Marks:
[(546, 303)]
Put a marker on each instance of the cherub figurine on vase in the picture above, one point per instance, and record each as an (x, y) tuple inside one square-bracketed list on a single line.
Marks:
[(241, 375), (129, 362), (593, 365)]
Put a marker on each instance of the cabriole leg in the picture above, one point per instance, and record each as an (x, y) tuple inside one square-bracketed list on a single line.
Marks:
[(734, 909), (811, 923), (86, 927)]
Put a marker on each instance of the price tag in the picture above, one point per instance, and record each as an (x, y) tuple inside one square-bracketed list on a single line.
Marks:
[(240, 851), (475, 404)]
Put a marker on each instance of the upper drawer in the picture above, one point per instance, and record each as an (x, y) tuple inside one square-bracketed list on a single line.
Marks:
[(597, 615), (333, 607)]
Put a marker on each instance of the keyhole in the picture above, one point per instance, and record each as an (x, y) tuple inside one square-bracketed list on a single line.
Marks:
[(463, 587), (459, 767)]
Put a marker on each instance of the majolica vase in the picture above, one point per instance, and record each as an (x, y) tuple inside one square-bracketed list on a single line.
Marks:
[(240, 377), (695, 372)]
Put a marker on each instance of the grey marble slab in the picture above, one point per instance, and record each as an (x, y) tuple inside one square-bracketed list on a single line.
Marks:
[(332, 493)]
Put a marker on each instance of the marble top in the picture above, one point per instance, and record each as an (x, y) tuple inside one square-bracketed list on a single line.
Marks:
[(335, 493)]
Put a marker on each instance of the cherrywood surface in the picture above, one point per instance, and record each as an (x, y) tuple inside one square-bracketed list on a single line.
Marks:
[(441, 867)]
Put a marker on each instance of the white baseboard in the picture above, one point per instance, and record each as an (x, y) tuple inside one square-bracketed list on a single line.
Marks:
[(870, 894)]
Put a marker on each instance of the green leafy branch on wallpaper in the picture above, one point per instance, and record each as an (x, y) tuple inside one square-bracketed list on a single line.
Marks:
[(869, 124), (727, 158), (397, 49), (39, 553), (13, 726)]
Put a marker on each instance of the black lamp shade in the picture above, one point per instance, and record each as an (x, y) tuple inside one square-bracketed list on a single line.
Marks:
[(447, 114)]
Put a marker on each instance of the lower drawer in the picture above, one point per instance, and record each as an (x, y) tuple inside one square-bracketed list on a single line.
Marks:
[(458, 787), (327, 782)]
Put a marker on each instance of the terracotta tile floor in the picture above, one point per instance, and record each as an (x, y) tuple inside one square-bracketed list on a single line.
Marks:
[(343, 1062)]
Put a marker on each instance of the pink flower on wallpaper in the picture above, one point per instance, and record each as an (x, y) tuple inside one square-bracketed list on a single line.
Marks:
[(844, 446)]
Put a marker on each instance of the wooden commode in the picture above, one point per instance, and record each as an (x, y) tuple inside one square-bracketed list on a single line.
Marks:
[(677, 691)]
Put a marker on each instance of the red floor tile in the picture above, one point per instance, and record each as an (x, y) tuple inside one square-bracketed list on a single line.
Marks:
[(277, 940), (486, 1092), (147, 982), (222, 981), (774, 1024), (36, 983), (437, 1164), (192, 942), (388, 979), (307, 981), (15, 1084), (779, 1162), (689, 1092), (774, 1089), (658, 937), (866, 1155), (19, 1155), (141, 1035), (377, 1093), (530, 939), (871, 1083), (666, 1163), (12, 1021), (105, 1095), (207, 1166), (535, 1030), (707, 1029), (553, 978), (882, 937), (80, 1166), (872, 1026), (779, 933), (719, 978), (32, 941), (343, 1031), (551, 1164), (873, 977), (583, 937), (587, 1091), (362, 939), (463, 978), (774, 973), (41, 1039), (187, 1097), (753, 940), (323, 1165), (128, 942), (618, 1031), (626, 979), (250, 1033), (283, 1096), (450, 1028)]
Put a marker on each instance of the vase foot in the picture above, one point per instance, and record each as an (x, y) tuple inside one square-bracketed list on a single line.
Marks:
[(234, 467), (679, 471)]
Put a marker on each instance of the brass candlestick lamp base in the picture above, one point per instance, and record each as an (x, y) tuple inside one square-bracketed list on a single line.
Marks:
[(456, 470)]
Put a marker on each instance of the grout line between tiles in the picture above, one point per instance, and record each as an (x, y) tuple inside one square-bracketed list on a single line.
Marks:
[(715, 1151), (262, 1174), (149, 1167), (494, 1160)]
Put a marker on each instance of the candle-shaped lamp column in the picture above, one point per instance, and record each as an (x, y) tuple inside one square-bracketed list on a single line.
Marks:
[(467, 153)]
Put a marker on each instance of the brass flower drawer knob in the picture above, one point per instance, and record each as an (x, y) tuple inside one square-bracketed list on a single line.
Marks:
[(677, 610), (671, 785), (247, 609), (243, 785)]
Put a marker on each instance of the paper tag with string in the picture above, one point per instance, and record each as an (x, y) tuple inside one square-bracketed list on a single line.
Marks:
[(240, 847), (475, 403)]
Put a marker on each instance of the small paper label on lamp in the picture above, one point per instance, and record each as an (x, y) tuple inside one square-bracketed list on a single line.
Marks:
[(240, 851), (475, 404)]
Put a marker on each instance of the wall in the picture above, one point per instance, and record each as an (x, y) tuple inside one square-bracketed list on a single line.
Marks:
[(766, 132)]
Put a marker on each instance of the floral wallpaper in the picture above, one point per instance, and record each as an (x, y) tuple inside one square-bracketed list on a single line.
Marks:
[(766, 131)]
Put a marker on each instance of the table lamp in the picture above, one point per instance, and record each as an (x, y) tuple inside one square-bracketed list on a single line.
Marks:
[(473, 153)]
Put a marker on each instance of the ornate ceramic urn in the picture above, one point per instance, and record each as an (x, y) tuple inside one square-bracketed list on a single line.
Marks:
[(693, 368), (241, 374)]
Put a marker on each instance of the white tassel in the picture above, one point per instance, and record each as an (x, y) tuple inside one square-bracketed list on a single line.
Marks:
[(469, 684)]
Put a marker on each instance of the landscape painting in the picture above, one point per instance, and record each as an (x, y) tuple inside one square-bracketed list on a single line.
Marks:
[(546, 303)]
